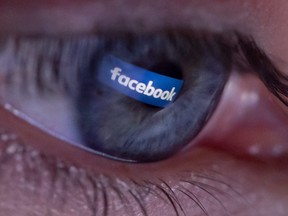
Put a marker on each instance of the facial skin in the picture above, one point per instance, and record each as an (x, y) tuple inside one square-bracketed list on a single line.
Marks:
[(243, 146)]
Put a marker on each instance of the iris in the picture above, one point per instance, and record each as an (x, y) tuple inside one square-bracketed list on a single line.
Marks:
[(126, 129)]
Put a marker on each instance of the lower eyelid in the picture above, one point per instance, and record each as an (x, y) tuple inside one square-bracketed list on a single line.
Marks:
[(38, 167), (57, 182), (199, 160), (194, 173)]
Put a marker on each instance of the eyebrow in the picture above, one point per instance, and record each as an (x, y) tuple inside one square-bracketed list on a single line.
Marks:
[(66, 17)]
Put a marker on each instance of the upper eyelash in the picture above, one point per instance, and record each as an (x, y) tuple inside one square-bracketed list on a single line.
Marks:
[(50, 54), (275, 80)]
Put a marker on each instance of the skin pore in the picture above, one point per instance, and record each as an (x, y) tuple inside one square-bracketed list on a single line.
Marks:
[(241, 154)]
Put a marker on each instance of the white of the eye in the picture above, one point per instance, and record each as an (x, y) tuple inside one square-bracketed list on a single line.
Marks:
[(52, 114)]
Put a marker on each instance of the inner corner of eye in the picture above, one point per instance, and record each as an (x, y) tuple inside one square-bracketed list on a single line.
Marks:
[(130, 99)]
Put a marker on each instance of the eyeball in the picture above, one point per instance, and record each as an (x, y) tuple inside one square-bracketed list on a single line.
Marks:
[(130, 97)]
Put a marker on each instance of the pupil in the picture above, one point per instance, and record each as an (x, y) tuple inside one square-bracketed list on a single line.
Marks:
[(169, 69), (165, 68)]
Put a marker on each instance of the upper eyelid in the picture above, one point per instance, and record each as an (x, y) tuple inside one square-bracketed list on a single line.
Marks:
[(246, 53), (95, 16), (260, 63)]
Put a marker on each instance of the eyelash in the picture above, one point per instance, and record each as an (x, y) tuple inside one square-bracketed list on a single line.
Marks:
[(51, 54), (259, 63), (246, 54), (35, 168)]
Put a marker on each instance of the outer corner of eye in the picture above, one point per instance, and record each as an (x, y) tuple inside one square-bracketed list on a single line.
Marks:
[(138, 102)]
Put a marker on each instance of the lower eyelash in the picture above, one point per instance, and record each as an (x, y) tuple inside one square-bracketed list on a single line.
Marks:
[(101, 191)]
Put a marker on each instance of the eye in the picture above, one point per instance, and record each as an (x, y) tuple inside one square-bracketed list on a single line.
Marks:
[(55, 84), (47, 102), (104, 120)]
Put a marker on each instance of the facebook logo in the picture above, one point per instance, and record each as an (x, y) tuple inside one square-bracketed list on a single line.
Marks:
[(138, 83)]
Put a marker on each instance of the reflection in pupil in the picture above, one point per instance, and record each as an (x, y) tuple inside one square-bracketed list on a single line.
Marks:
[(165, 68), (168, 69)]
